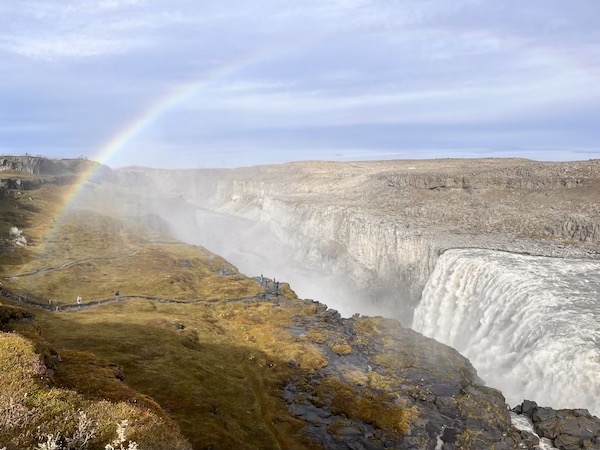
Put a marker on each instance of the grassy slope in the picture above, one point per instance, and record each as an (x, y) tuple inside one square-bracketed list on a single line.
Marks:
[(218, 377), (215, 368)]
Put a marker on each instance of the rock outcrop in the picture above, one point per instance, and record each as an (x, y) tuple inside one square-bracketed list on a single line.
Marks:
[(428, 395), (38, 165), (568, 429)]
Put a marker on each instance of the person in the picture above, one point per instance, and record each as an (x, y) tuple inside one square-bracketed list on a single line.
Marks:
[(261, 279), (117, 295), (277, 288), (79, 300)]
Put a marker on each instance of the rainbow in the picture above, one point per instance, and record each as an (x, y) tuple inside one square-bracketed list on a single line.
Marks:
[(150, 115)]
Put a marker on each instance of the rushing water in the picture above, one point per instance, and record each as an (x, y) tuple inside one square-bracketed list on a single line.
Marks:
[(524, 423), (530, 325)]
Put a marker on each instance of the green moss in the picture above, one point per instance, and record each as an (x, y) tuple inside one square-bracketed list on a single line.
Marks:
[(376, 409)]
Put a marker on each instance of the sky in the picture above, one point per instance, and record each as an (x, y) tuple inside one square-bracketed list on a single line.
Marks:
[(194, 83)]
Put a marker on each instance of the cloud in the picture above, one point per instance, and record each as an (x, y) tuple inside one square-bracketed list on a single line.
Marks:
[(59, 47), (477, 70)]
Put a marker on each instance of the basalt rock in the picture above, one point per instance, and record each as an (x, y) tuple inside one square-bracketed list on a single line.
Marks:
[(392, 388), (384, 224), (569, 429)]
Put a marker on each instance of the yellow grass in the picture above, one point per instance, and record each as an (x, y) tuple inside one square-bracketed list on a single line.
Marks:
[(30, 408), (378, 410), (208, 367)]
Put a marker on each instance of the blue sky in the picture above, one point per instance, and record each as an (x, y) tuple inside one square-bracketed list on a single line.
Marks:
[(190, 83)]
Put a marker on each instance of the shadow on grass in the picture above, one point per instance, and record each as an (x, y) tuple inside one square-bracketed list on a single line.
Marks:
[(221, 394)]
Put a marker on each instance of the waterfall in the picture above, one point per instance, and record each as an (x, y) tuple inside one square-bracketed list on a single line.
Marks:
[(529, 325)]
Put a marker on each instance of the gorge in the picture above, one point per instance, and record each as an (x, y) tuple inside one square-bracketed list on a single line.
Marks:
[(497, 259), (385, 238)]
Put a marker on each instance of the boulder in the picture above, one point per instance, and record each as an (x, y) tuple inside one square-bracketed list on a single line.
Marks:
[(20, 241), (569, 429)]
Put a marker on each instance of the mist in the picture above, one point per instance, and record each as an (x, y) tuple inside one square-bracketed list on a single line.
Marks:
[(254, 248)]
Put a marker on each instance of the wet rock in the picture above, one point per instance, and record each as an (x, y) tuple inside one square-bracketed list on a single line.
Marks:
[(345, 404), (449, 435), (527, 408), (567, 442), (542, 414), (569, 429)]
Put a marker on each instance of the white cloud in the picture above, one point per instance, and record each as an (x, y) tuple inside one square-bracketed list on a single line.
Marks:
[(53, 48), (272, 65)]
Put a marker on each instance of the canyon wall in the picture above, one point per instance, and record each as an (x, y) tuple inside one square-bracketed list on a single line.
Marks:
[(384, 224)]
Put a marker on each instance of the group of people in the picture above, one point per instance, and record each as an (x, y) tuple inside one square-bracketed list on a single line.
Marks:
[(265, 282)]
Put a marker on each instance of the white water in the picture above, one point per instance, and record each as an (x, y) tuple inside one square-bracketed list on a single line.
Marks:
[(524, 423), (530, 325)]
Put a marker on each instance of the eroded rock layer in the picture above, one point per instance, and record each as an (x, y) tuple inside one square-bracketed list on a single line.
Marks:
[(385, 223)]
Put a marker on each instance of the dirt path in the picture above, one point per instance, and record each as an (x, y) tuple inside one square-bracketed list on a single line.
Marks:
[(68, 264), (32, 301), (270, 291)]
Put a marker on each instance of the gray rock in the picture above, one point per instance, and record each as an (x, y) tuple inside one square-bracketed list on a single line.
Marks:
[(543, 414), (567, 442), (547, 428), (527, 408)]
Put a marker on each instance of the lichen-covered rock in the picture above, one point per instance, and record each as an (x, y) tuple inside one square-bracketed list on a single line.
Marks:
[(394, 389)]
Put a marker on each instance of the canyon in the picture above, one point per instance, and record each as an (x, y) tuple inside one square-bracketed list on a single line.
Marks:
[(391, 220), (497, 258), (366, 237)]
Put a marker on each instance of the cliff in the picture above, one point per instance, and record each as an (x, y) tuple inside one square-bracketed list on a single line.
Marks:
[(385, 223), (195, 354), (191, 340)]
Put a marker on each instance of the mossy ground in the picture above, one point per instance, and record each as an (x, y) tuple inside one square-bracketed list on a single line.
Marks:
[(210, 367), (214, 367), (101, 254), (31, 406)]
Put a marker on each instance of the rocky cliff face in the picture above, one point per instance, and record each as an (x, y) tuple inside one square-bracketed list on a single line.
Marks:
[(386, 223), (39, 165), (23, 164)]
